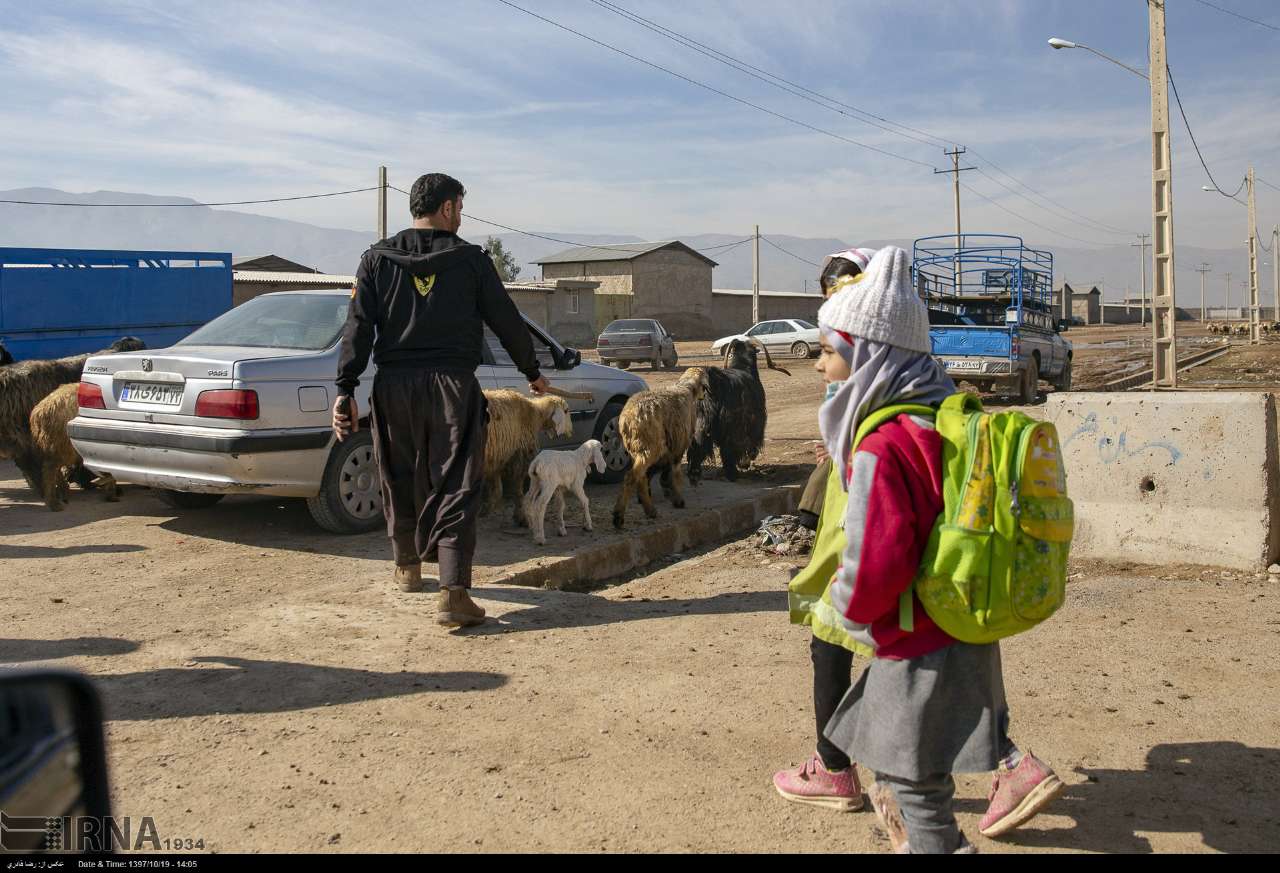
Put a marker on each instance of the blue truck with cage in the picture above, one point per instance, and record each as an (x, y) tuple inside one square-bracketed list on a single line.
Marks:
[(991, 315), (57, 302)]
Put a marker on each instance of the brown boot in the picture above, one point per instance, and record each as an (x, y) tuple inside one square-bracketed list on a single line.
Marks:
[(409, 577), (455, 608)]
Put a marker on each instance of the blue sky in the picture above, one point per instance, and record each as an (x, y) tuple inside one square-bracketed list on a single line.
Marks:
[(231, 100)]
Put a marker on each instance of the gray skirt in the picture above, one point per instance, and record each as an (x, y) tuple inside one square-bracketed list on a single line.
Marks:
[(944, 712)]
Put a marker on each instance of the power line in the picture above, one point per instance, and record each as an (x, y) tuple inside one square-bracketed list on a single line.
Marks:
[(714, 90), (1187, 123), (1265, 182), (1237, 14), (1103, 228), (792, 254), (171, 205), (859, 114), (768, 78), (611, 249), (1017, 215)]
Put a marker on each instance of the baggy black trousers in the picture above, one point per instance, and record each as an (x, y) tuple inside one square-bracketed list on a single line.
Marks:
[(428, 438)]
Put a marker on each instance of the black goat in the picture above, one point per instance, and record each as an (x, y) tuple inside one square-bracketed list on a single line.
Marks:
[(732, 414)]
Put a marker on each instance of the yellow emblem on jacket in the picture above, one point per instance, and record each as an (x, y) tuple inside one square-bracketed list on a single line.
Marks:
[(424, 286)]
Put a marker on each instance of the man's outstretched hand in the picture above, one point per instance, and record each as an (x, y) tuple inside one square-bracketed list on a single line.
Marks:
[(539, 385), (346, 417)]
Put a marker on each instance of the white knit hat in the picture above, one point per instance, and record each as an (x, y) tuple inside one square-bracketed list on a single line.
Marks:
[(861, 257), (883, 306)]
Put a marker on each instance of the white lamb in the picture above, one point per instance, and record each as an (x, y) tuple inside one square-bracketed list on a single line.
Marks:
[(552, 471)]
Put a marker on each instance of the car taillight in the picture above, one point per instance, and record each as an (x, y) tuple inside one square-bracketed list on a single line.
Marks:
[(602, 342), (89, 396), (228, 404)]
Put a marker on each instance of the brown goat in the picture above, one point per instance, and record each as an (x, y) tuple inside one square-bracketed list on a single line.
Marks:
[(657, 427), (52, 443)]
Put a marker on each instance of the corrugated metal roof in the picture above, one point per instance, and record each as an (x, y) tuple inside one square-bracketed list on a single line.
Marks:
[(618, 252), (270, 277)]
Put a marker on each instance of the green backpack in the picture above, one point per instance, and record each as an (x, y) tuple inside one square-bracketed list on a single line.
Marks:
[(996, 561)]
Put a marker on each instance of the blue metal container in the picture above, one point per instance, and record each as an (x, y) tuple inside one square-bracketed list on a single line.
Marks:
[(56, 302)]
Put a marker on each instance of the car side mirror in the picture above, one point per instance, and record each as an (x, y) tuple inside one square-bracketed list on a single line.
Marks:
[(58, 798), (571, 359)]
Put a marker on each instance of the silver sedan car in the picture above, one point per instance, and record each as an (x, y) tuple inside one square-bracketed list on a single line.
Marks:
[(242, 405)]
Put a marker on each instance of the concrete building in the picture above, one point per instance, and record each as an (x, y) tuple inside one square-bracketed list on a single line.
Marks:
[(565, 307), (1085, 303), (731, 308), (668, 281)]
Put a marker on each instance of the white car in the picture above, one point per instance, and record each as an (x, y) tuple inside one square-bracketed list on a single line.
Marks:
[(793, 336)]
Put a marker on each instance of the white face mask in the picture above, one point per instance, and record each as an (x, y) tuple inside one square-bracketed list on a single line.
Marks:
[(832, 388)]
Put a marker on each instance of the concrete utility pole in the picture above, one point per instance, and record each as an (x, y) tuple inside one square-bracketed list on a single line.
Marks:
[(955, 172), (1202, 269), (1255, 333), (1275, 272), (1227, 303), (755, 277), (1164, 322), (1142, 265), (382, 203)]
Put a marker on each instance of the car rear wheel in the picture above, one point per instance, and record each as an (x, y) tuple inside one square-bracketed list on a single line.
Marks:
[(670, 363), (350, 498), (187, 499), (800, 350), (616, 459), (623, 365)]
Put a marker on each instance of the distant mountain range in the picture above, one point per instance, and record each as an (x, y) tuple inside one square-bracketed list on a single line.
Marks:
[(201, 228)]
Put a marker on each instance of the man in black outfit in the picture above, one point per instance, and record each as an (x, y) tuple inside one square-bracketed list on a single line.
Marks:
[(426, 295)]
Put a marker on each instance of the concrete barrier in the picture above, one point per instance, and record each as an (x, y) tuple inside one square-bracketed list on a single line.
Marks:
[(1162, 477)]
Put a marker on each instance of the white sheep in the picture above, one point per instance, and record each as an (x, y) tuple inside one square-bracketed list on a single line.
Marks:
[(553, 471), (511, 441)]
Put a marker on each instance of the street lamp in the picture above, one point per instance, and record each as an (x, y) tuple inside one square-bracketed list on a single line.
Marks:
[(1164, 360), (1057, 43), (1251, 246)]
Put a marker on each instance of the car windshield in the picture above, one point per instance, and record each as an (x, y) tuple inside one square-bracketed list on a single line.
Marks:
[(629, 324), (806, 325), (310, 322)]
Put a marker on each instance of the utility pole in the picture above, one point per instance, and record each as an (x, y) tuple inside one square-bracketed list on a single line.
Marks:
[(1142, 265), (1275, 272), (955, 172), (1227, 302), (755, 277), (1202, 269), (1164, 313), (1255, 333), (382, 203)]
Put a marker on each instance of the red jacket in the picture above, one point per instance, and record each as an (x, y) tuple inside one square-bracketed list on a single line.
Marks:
[(895, 495)]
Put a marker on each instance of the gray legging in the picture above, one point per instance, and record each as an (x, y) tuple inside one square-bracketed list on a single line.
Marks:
[(927, 813)]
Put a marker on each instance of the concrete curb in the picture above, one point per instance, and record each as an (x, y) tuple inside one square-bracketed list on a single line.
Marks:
[(690, 530)]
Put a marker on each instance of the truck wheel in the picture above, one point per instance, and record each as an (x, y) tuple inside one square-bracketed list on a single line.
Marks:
[(616, 459), (350, 498), (1063, 382), (799, 350), (187, 499), (1030, 382)]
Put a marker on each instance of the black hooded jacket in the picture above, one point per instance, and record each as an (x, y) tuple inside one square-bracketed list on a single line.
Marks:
[(428, 295)]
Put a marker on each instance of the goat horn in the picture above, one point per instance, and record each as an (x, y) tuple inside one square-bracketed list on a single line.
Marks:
[(772, 365), (569, 395)]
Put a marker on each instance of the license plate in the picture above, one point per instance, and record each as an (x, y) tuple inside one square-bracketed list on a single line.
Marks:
[(149, 392), (964, 365)]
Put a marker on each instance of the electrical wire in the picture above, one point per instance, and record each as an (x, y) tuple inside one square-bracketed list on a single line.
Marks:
[(716, 90), (614, 249), (171, 205), (792, 254), (1237, 15), (1017, 215), (839, 106), (1192, 135)]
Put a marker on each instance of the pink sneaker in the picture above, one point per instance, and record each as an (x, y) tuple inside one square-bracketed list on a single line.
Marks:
[(814, 784), (1018, 795)]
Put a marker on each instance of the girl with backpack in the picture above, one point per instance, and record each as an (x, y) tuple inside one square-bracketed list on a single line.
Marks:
[(927, 706)]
